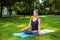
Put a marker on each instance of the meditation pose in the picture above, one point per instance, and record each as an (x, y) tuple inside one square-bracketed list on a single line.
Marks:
[(34, 24)]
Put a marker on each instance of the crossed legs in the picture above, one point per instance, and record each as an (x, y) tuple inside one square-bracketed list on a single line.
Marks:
[(31, 32)]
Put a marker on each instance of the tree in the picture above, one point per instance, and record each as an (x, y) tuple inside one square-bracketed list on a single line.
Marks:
[(1, 7), (24, 5)]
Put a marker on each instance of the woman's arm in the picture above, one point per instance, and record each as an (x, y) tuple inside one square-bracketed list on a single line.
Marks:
[(27, 26), (39, 25)]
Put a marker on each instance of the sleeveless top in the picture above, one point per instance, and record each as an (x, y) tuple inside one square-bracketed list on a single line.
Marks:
[(34, 24)]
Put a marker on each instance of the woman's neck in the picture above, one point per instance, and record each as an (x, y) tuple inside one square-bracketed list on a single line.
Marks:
[(35, 17)]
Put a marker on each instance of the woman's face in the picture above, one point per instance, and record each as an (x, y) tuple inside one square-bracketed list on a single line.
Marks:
[(35, 13)]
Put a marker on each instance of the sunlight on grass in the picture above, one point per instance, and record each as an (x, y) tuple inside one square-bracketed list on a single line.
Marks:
[(44, 25), (22, 25), (27, 16), (43, 16), (7, 24)]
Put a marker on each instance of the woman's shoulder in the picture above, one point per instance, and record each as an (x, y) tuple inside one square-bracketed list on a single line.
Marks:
[(39, 19)]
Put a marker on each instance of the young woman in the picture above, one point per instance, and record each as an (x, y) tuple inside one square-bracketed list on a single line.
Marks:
[(34, 24)]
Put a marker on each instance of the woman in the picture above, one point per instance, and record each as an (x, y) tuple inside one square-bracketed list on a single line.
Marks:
[(34, 23)]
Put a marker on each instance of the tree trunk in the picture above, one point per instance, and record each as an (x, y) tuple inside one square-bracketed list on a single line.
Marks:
[(1, 11), (30, 9)]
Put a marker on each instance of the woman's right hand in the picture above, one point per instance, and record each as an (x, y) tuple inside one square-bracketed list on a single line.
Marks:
[(22, 30)]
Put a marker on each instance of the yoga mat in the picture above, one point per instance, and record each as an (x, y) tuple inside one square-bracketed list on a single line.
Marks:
[(23, 35)]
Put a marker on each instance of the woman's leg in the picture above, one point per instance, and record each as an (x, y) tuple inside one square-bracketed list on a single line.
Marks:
[(31, 32), (35, 33), (28, 31)]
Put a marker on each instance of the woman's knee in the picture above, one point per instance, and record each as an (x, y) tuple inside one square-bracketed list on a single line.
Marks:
[(35, 33), (28, 31)]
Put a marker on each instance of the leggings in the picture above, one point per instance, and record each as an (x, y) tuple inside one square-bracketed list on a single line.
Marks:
[(30, 32)]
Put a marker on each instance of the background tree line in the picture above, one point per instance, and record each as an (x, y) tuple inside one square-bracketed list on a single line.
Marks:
[(25, 7)]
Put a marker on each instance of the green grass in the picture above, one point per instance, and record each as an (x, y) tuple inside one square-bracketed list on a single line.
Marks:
[(9, 25)]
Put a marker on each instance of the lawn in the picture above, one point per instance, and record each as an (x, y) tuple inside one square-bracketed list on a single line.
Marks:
[(9, 25)]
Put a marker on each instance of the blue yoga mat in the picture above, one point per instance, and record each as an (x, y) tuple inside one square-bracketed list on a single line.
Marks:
[(23, 35)]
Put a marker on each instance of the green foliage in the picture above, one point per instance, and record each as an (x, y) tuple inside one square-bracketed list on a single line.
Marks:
[(18, 6), (27, 6)]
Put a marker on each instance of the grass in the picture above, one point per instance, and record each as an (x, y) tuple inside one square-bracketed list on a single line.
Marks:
[(9, 25)]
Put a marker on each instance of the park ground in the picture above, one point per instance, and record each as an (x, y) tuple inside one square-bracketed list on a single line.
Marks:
[(12, 24)]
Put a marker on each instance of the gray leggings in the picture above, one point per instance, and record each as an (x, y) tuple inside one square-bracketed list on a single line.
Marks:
[(30, 32)]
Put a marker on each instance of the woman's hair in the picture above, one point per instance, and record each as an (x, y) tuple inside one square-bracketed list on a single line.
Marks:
[(36, 10)]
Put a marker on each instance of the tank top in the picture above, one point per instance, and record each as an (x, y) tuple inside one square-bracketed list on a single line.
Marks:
[(34, 24)]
